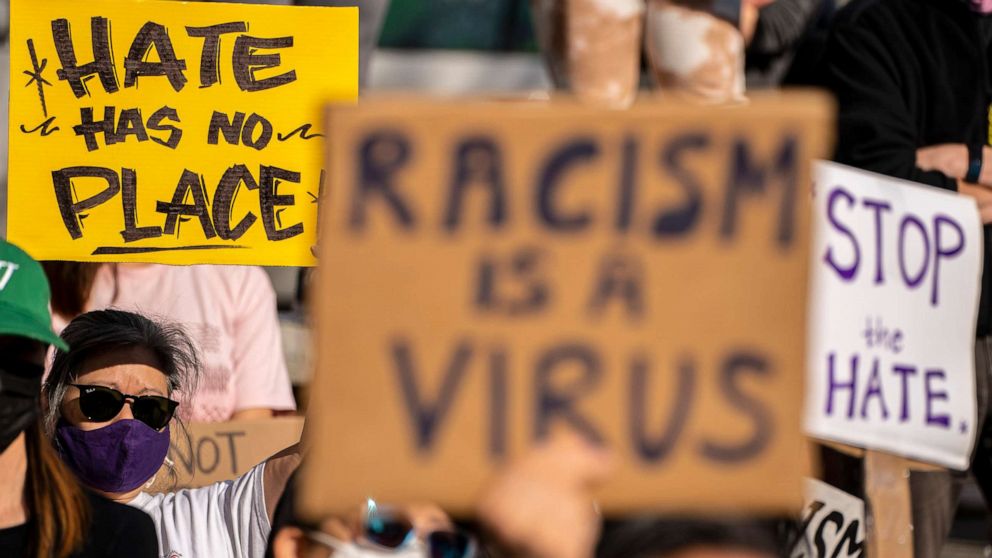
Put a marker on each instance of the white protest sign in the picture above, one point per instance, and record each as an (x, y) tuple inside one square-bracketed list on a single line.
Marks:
[(833, 523), (892, 311)]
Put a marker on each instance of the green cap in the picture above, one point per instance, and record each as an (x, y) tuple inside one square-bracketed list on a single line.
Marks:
[(24, 297)]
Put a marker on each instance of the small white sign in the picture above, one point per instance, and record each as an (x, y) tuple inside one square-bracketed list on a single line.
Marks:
[(892, 311), (833, 523)]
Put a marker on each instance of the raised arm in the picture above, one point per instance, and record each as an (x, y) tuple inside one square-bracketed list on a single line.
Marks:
[(278, 469)]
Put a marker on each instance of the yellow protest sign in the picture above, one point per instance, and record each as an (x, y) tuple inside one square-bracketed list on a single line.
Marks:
[(172, 132), (492, 272)]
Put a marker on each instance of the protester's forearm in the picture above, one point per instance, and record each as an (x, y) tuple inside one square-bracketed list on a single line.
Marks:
[(954, 161), (278, 469)]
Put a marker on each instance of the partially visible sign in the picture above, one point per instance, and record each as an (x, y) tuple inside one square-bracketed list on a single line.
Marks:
[(492, 272), (224, 450), (894, 301), (833, 523), (172, 132)]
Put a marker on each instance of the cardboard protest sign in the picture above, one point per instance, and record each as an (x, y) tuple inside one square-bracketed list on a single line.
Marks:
[(492, 272), (172, 132), (224, 450), (894, 300), (833, 523)]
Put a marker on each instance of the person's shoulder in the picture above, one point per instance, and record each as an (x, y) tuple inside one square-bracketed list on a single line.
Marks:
[(881, 11), (229, 284), (248, 284), (119, 530), (120, 516), (856, 8), (189, 498), (888, 25)]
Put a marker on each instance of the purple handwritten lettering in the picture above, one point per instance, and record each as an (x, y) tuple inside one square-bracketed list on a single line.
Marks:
[(941, 420), (905, 371), (845, 273), (943, 251), (833, 385), (874, 391), (913, 282), (878, 206)]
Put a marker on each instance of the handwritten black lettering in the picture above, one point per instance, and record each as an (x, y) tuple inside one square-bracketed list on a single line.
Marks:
[(71, 210), (747, 177), (246, 62), (620, 278), (303, 131), (190, 183), (102, 64), (380, 158), (154, 35), (224, 198), (35, 73), (269, 199), (45, 128), (129, 198), (231, 128), (209, 66), (477, 162)]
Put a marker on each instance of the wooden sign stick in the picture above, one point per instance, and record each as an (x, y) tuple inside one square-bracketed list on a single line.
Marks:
[(890, 524)]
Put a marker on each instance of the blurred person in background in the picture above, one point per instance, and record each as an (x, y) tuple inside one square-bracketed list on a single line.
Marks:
[(413, 531), (540, 506), (229, 311), (695, 538), (109, 404), (696, 47), (913, 83), (785, 41), (550, 492), (44, 512)]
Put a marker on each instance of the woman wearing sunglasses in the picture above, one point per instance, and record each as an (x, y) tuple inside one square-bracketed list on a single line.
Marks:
[(110, 406)]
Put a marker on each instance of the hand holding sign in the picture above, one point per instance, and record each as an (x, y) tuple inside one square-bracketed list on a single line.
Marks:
[(547, 493), (982, 196), (952, 160)]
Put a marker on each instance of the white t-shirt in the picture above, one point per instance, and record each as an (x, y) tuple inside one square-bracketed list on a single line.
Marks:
[(224, 519)]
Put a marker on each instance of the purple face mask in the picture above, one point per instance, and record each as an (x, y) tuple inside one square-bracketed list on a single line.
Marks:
[(981, 6), (116, 458)]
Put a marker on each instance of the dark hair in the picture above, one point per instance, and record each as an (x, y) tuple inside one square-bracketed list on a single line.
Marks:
[(71, 284), (101, 331), (59, 508), (658, 538), (55, 501)]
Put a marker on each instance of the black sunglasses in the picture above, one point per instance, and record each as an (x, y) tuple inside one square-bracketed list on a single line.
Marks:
[(101, 403), (385, 529)]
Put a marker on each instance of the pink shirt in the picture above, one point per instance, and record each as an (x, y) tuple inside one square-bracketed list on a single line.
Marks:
[(229, 311)]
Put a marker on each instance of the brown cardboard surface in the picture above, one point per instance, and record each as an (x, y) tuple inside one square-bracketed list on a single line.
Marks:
[(890, 531), (453, 331), (224, 450)]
